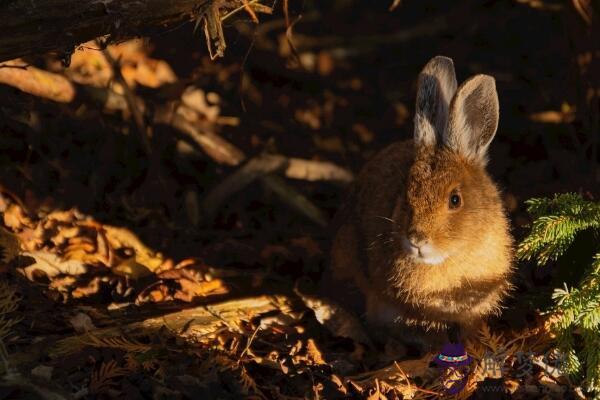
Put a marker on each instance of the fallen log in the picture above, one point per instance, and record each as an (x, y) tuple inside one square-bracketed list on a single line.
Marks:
[(31, 27), (192, 322)]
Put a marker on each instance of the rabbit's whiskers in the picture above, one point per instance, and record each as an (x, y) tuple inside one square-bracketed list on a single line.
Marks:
[(385, 218), (384, 238)]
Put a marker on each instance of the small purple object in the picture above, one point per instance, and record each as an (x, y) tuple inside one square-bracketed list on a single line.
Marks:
[(452, 355)]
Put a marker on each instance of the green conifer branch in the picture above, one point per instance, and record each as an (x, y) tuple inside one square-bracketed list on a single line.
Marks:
[(556, 224)]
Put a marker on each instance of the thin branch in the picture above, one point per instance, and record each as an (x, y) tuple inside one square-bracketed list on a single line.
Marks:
[(37, 82), (138, 117), (262, 167)]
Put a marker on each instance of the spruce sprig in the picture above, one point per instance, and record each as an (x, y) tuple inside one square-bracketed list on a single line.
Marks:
[(556, 223), (576, 310)]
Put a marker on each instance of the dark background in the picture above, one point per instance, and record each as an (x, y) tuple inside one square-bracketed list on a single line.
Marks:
[(345, 90)]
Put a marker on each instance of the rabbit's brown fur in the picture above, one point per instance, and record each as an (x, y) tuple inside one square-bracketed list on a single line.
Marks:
[(461, 271)]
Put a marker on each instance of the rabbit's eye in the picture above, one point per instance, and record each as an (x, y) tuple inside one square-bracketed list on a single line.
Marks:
[(455, 200)]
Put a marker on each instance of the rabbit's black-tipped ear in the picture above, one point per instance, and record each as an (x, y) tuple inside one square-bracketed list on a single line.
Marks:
[(473, 119), (436, 86)]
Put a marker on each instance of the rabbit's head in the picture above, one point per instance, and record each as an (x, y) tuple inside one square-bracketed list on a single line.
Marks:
[(450, 219)]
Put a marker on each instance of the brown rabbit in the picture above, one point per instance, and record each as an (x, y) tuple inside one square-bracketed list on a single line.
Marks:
[(423, 238)]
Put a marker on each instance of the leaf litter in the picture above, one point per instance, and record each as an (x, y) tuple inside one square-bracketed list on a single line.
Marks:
[(273, 349)]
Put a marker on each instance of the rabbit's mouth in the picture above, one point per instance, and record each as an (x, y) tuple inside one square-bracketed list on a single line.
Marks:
[(430, 260), (423, 253)]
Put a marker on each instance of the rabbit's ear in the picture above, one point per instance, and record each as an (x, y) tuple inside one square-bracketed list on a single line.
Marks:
[(473, 118), (436, 86)]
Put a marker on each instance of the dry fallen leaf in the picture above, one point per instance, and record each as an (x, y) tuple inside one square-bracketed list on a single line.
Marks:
[(88, 289), (38, 82), (43, 372), (51, 265), (63, 283), (313, 353), (375, 393), (196, 100), (81, 323), (148, 72), (190, 289), (158, 294), (15, 218), (340, 385), (364, 134), (124, 238), (565, 115), (131, 268), (187, 281)]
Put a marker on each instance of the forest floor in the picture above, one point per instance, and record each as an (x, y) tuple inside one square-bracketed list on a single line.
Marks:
[(165, 267)]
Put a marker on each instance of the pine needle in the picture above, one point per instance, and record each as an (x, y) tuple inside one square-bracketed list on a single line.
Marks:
[(103, 378), (576, 311), (116, 342)]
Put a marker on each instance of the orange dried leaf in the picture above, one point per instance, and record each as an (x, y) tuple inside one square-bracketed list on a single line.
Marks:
[(15, 218), (131, 268), (158, 295), (191, 289), (52, 265), (565, 115), (123, 238), (62, 215), (313, 353), (90, 288)]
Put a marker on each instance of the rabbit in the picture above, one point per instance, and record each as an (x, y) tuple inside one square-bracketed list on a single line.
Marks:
[(422, 242)]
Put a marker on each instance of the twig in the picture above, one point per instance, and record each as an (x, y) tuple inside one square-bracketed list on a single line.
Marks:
[(352, 46), (584, 9), (213, 30), (286, 13), (250, 11), (37, 82), (138, 118), (212, 144), (394, 5), (248, 344), (310, 170), (289, 33), (246, 5), (265, 165), (295, 199), (429, 28), (237, 181), (213, 23)]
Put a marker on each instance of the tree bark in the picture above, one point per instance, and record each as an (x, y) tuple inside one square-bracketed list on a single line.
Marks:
[(39, 26)]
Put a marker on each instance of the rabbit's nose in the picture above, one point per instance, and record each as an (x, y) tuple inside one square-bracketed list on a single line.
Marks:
[(416, 238)]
